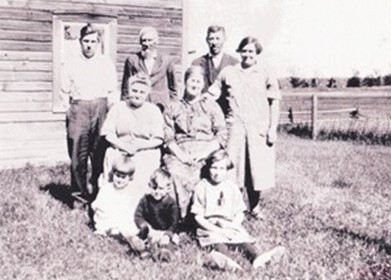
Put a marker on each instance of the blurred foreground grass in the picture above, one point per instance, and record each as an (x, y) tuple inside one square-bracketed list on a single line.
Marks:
[(331, 209)]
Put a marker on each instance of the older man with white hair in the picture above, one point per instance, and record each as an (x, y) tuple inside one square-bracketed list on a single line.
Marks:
[(158, 67)]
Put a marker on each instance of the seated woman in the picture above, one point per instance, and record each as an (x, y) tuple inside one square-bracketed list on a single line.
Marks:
[(194, 128), (134, 127)]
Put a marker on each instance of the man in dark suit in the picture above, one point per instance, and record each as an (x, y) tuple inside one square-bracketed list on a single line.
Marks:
[(158, 67), (215, 61)]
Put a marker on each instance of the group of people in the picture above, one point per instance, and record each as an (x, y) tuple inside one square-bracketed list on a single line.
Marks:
[(162, 164)]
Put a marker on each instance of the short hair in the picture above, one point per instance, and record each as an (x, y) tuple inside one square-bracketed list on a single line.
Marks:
[(88, 29), (158, 176), (141, 78), (123, 164), (196, 69), (215, 28), (218, 156), (250, 40), (148, 29)]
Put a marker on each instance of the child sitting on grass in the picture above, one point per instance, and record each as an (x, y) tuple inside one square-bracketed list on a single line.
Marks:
[(157, 213), (116, 202), (218, 208)]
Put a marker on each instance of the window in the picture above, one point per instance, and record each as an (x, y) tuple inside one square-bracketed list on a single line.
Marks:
[(66, 30)]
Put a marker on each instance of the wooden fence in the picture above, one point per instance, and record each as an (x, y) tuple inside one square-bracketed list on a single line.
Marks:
[(314, 108)]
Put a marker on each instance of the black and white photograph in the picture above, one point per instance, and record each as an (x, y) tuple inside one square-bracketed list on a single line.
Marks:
[(195, 139)]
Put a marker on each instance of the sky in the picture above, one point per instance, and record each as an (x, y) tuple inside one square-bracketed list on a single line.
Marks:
[(307, 38)]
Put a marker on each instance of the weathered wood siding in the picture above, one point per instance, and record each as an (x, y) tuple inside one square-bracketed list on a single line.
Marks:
[(26, 52), (26, 46)]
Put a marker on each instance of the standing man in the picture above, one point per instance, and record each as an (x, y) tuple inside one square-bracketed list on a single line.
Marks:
[(216, 60), (159, 68), (89, 79)]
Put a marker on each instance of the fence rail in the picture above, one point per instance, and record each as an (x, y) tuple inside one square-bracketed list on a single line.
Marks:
[(315, 99)]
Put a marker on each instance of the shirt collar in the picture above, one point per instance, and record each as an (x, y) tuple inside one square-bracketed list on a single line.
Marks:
[(218, 57), (187, 103), (81, 56)]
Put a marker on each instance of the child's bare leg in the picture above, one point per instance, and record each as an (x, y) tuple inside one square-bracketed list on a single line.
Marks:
[(219, 253), (248, 250), (222, 248), (164, 253)]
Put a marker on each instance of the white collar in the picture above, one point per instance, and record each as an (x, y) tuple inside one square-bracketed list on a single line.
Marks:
[(94, 57), (216, 59), (153, 55)]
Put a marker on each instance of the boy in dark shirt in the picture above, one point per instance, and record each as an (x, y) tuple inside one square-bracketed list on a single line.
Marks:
[(157, 213)]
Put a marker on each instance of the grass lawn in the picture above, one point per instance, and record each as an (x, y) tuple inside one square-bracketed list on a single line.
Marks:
[(331, 210)]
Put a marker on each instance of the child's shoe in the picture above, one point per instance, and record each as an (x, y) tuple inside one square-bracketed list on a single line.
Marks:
[(164, 255), (143, 233), (270, 256), (79, 202), (175, 239), (145, 255), (257, 214)]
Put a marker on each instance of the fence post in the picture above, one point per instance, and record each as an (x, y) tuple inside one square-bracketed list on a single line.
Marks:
[(290, 115), (314, 113)]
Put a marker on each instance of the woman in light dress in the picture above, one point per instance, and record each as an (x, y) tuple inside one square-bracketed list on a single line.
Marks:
[(253, 96)]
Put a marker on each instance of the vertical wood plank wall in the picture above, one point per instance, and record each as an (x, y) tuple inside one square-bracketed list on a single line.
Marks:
[(28, 126)]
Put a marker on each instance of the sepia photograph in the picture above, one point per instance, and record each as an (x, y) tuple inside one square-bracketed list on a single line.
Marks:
[(195, 139)]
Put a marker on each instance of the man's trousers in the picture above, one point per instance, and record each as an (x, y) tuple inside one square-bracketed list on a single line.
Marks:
[(84, 121)]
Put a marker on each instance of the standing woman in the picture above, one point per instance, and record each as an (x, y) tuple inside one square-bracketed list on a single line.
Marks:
[(254, 106), (195, 128), (134, 127)]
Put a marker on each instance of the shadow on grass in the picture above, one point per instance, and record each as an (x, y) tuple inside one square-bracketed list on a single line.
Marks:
[(341, 184), (380, 243), (60, 192), (379, 271)]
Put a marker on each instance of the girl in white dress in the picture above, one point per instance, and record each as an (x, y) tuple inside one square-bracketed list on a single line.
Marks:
[(218, 208), (115, 204)]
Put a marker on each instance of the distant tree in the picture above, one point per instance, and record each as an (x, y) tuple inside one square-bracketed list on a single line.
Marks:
[(295, 82), (304, 83), (377, 81), (332, 83), (354, 82), (387, 80), (371, 81), (367, 81), (314, 82)]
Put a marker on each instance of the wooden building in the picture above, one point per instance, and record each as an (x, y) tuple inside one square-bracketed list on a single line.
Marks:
[(34, 35)]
